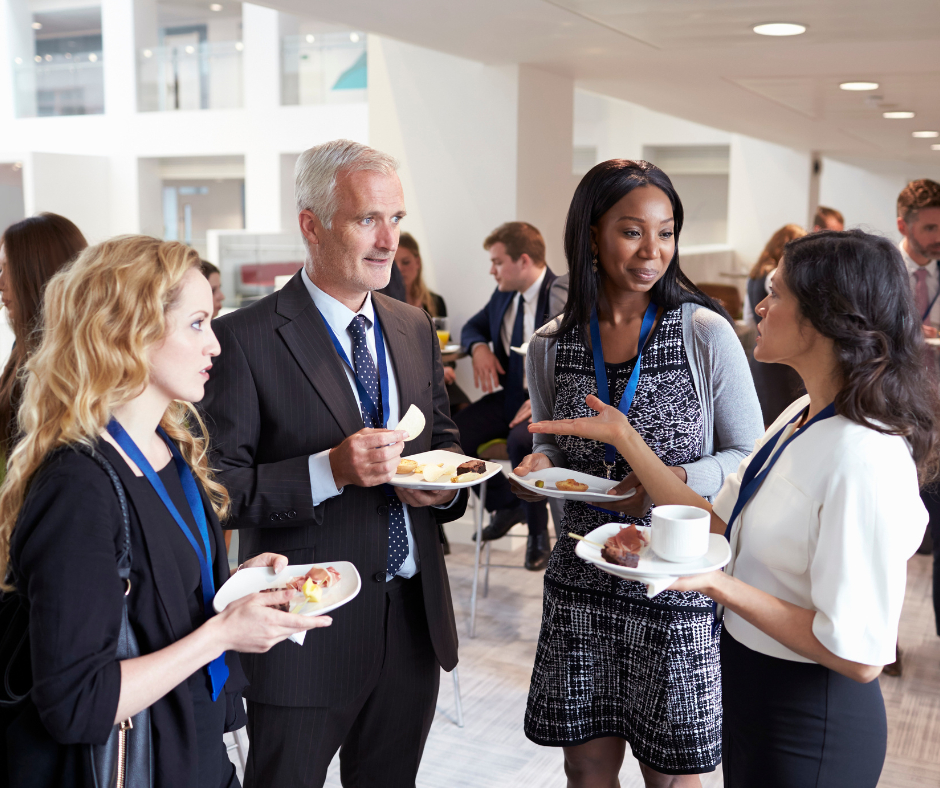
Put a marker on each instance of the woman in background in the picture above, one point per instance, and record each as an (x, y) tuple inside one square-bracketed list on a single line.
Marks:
[(31, 251), (822, 518), (777, 384), (214, 275), (408, 262)]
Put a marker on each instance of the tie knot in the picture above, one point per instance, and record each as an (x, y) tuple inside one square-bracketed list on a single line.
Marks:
[(920, 274), (357, 327)]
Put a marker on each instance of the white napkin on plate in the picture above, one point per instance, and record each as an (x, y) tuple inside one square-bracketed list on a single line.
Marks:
[(657, 585)]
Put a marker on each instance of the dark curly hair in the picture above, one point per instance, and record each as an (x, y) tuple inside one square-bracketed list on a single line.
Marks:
[(600, 189), (853, 288)]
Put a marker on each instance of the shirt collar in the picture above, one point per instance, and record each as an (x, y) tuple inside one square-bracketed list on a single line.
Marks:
[(337, 315), (532, 293), (913, 267)]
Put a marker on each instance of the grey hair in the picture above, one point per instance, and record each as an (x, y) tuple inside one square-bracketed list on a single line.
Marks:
[(318, 168)]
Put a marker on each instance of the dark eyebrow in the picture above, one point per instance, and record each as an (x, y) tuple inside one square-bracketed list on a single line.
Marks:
[(643, 221)]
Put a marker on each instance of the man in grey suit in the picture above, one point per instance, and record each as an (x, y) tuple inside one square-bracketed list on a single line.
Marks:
[(299, 404)]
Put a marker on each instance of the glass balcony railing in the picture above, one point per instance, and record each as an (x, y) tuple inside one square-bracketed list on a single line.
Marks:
[(323, 69), (207, 75), (59, 84)]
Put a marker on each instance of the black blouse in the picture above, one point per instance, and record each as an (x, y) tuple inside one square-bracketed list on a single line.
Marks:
[(63, 553)]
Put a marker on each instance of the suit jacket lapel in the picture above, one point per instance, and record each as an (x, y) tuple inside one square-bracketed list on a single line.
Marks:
[(308, 340), (396, 337)]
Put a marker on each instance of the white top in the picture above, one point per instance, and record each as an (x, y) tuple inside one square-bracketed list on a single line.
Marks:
[(322, 486), (933, 282), (831, 530)]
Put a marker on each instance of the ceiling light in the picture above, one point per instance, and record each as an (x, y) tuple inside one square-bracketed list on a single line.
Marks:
[(779, 29), (18, 60), (239, 46), (897, 115), (354, 37), (935, 147), (17, 165), (148, 53), (190, 49), (310, 38), (859, 86), (48, 58), (38, 58), (926, 134), (37, 25), (215, 7), (93, 57), (68, 55)]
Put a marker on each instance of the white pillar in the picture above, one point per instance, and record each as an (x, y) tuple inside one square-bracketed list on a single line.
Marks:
[(120, 67), (262, 94), (77, 187), (18, 89)]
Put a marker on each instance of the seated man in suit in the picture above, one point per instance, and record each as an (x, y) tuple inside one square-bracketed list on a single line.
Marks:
[(299, 404), (527, 296)]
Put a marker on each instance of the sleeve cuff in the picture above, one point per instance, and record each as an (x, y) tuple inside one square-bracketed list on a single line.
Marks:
[(449, 504), (322, 486)]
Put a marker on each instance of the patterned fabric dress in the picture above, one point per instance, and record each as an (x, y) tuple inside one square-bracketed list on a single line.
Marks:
[(611, 662)]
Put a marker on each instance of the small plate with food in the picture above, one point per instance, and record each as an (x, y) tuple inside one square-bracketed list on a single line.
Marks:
[(448, 349), (572, 485), (319, 588), (933, 341), (624, 551), (442, 470), (521, 350)]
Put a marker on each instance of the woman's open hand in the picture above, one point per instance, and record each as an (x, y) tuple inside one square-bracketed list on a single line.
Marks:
[(608, 426), (533, 462)]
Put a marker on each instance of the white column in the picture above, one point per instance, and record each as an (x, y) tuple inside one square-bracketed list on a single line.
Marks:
[(120, 67), (544, 177), (77, 187), (262, 95), (18, 87)]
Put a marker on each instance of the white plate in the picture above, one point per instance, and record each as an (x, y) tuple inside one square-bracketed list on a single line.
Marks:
[(651, 566), (450, 349), (522, 349), (416, 480), (595, 493), (933, 341), (255, 579)]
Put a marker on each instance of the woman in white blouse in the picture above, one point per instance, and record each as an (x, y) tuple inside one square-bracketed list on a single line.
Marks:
[(823, 525)]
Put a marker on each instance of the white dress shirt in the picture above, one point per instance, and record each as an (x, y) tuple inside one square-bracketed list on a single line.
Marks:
[(530, 302), (933, 283), (338, 316), (831, 529)]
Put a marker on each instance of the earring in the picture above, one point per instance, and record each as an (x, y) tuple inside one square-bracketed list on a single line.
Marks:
[(594, 264)]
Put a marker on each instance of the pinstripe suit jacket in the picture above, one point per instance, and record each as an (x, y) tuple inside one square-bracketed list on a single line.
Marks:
[(277, 394)]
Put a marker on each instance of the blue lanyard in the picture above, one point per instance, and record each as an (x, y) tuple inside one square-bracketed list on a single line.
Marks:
[(600, 371), (756, 473), (364, 397), (218, 670)]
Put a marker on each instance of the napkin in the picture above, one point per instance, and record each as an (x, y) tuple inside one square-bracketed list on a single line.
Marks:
[(656, 585)]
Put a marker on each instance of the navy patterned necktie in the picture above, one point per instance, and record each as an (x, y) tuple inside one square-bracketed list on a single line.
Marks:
[(515, 372), (365, 371)]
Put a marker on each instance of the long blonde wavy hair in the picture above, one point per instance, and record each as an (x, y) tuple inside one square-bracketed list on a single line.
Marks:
[(102, 316)]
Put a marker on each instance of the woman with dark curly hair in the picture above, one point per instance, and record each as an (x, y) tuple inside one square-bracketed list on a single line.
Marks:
[(613, 666), (822, 518)]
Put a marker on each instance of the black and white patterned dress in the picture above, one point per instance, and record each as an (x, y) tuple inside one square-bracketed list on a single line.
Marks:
[(610, 661)]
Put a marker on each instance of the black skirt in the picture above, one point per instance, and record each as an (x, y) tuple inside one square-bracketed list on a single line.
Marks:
[(798, 725)]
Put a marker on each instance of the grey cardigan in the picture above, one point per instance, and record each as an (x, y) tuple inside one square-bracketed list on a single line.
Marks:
[(723, 383)]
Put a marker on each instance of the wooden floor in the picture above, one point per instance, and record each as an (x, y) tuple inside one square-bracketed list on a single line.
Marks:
[(491, 751)]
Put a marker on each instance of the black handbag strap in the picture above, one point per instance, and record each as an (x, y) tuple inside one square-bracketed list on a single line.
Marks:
[(124, 555)]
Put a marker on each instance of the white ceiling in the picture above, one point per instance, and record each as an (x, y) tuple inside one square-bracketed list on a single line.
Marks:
[(698, 59)]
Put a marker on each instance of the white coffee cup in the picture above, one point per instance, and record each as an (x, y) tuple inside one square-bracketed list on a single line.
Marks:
[(679, 533)]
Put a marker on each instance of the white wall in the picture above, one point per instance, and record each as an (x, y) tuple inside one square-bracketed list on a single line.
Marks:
[(77, 187)]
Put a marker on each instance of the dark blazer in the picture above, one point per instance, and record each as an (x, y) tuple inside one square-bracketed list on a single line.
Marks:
[(396, 286), (64, 554), (277, 394), (485, 325)]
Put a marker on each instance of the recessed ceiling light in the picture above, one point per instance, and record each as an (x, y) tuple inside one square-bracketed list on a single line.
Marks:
[(148, 53), (239, 46), (190, 49), (310, 38), (779, 29), (926, 134), (935, 147), (897, 115), (38, 58), (859, 86), (354, 37), (215, 7), (93, 57), (48, 58), (37, 25), (18, 61)]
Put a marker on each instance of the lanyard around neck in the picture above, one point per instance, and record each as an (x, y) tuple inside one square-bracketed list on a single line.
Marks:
[(367, 402), (600, 371), (218, 672)]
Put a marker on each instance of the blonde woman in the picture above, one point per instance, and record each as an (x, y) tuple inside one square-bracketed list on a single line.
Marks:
[(777, 385), (127, 348)]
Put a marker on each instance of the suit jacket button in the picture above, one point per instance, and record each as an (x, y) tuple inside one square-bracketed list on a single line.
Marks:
[(382, 510), (379, 577), (274, 516), (291, 514)]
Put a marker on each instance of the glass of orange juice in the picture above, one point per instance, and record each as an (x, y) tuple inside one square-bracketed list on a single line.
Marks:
[(443, 330)]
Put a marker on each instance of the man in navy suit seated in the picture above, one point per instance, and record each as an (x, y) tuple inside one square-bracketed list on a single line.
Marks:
[(527, 296)]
